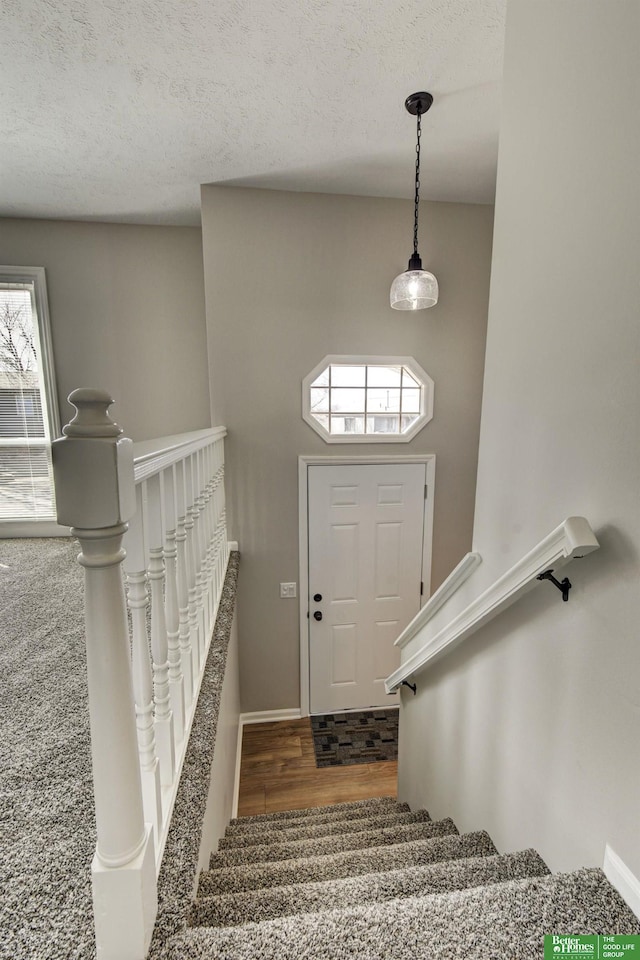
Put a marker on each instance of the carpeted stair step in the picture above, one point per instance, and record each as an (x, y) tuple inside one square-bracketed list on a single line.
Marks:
[(283, 819), (325, 829), (320, 846), (505, 920), (257, 905), (350, 864)]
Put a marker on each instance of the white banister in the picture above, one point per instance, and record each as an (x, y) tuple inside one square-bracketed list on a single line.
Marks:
[(572, 539), (93, 469), (165, 500)]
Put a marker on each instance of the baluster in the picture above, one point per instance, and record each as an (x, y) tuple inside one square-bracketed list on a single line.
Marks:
[(165, 738), (202, 545), (191, 574), (196, 555), (138, 601), (186, 657), (176, 679), (95, 496), (214, 513), (219, 573), (223, 514), (209, 537)]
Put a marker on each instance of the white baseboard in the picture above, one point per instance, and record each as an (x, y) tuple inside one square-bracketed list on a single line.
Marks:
[(270, 716), (14, 529), (620, 877), (233, 545), (260, 716)]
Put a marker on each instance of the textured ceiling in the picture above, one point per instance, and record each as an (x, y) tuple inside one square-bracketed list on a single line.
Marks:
[(120, 109)]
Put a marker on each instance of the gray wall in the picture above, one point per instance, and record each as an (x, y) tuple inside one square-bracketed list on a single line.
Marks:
[(532, 729), (289, 278), (127, 315)]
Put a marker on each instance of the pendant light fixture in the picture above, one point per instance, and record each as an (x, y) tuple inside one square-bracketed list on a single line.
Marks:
[(415, 289)]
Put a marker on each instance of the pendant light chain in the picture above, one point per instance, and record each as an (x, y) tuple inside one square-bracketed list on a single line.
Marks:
[(417, 197)]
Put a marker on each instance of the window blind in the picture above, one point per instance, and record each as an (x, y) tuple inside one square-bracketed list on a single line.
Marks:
[(26, 476)]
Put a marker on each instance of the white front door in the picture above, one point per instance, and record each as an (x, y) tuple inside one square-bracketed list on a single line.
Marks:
[(366, 525)]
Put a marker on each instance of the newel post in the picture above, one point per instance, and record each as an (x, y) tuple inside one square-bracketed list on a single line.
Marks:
[(95, 494)]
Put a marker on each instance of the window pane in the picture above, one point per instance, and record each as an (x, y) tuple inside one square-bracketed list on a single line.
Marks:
[(383, 376), (323, 419), (319, 399), (26, 491), (408, 380), (347, 400), (408, 420), (382, 400), (347, 424), (322, 380), (345, 376), (411, 401), (26, 480), (383, 424)]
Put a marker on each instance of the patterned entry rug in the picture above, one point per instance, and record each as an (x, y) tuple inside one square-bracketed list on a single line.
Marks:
[(362, 737)]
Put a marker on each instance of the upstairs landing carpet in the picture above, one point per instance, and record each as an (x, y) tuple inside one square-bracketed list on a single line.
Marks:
[(46, 786), (364, 736)]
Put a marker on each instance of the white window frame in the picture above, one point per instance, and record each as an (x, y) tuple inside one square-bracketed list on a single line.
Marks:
[(414, 368), (37, 277)]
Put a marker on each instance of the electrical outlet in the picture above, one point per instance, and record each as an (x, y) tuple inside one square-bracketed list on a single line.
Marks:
[(288, 590)]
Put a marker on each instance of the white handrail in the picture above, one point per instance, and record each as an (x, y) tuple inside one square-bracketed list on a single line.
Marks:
[(156, 510), (570, 540), (446, 589), (152, 456)]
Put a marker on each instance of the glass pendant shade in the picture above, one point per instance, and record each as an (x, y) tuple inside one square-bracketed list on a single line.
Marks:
[(414, 290)]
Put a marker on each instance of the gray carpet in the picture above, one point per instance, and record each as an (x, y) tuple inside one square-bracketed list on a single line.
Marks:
[(362, 736), (338, 813), (502, 921), (353, 863), (320, 846), (355, 808), (315, 830), (254, 905), (47, 790)]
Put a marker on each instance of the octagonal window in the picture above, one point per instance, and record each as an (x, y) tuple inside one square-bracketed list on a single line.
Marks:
[(367, 399)]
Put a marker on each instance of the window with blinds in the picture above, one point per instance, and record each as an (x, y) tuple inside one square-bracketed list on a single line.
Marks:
[(28, 409)]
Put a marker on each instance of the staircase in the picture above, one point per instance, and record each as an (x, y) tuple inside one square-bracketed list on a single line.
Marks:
[(373, 880)]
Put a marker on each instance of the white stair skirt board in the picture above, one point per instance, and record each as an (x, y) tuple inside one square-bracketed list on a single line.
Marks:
[(260, 716), (620, 877)]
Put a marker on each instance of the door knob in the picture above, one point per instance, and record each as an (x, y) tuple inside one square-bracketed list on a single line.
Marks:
[(317, 615), (317, 597)]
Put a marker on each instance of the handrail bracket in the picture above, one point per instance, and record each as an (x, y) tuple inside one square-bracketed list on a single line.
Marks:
[(563, 585)]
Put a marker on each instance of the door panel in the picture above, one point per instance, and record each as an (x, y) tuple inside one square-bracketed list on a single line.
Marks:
[(365, 559)]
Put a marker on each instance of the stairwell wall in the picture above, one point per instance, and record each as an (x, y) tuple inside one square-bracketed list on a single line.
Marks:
[(290, 278), (532, 729)]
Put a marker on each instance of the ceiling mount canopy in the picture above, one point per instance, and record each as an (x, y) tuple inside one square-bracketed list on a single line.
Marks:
[(415, 289)]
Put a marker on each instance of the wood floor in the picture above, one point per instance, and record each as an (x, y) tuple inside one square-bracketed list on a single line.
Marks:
[(278, 772)]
